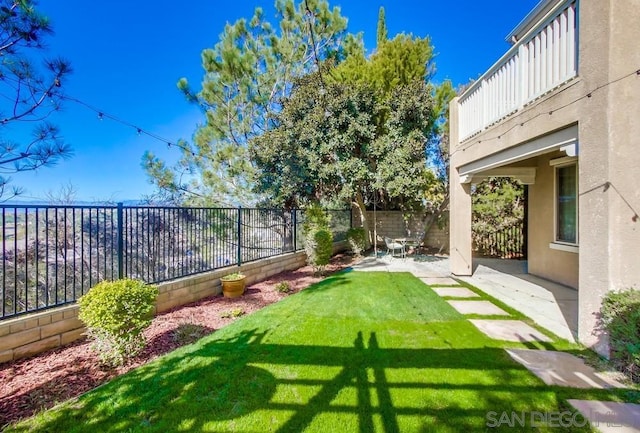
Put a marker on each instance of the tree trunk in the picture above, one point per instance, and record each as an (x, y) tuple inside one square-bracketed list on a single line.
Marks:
[(360, 217)]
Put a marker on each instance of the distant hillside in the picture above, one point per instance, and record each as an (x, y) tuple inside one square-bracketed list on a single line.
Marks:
[(75, 203)]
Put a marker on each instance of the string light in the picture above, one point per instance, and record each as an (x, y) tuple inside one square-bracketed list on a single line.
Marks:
[(139, 130)]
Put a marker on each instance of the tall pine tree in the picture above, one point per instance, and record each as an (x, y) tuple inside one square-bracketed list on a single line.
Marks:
[(247, 73)]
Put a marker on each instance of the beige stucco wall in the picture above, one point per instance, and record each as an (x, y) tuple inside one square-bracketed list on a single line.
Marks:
[(604, 101), (555, 265), (609, 152)]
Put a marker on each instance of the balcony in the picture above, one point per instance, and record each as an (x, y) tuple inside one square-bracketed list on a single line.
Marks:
[(543, 58)]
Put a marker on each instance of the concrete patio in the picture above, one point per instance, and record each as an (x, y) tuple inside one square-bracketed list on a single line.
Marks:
[(551, 305)]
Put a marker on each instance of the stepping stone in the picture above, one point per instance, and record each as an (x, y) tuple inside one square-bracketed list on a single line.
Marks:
[(509, 330), (485, 308), (609, 416), (455, 292), (439, 281), (562, 369)]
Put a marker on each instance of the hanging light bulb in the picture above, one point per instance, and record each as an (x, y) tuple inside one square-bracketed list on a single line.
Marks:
[(100, 116)]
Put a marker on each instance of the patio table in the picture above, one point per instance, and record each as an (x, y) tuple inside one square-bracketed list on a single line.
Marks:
[(406, 242)]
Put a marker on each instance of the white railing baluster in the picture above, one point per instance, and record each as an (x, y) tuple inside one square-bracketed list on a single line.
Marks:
[(556, 50), (532, 71), (571, 40), (523, 55), (536, 65), (549, 73), (544, 58), (563, 45)]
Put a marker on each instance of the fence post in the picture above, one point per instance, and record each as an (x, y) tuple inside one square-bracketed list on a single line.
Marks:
[(294, 220), (120, 242), (239, 252)]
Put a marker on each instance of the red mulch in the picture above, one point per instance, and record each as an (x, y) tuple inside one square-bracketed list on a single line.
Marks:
[(32, 384)]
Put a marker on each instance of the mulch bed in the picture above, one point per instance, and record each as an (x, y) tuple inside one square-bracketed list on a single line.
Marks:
[(33, 384)]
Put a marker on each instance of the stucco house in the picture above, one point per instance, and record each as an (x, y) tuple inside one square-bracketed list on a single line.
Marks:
[(561, 112)]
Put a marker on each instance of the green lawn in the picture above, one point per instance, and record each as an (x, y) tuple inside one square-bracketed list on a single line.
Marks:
[(358, 352)]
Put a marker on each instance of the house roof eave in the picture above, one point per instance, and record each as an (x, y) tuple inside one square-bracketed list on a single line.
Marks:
[(532, 18)]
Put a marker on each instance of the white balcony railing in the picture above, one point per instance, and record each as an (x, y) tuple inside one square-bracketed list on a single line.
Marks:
[(544, 58)]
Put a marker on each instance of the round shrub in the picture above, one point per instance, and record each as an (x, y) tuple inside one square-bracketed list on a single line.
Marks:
[(356, 237), (283, 287), (115, 314)]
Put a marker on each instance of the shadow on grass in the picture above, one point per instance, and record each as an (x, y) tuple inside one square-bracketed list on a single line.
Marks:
[(31, 399), (229, 380)]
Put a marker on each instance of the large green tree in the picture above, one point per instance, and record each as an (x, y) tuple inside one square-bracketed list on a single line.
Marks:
[(328, 145), (31, 90), (247, 73)]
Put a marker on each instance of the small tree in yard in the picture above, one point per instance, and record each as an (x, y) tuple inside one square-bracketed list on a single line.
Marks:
[(318, 239), (115, 314)]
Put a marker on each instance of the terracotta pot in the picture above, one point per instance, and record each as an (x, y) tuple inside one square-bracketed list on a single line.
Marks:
[(233, 288)]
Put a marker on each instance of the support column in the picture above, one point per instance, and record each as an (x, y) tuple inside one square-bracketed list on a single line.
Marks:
[(459, 206), (460, 255)]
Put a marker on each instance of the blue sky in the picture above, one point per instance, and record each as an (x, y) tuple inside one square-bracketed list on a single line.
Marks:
[(128, 55)]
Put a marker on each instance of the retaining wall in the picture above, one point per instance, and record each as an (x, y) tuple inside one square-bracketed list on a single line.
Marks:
[(34, 333)]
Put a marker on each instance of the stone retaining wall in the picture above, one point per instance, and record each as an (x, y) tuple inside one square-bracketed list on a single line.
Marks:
[(34, 333)]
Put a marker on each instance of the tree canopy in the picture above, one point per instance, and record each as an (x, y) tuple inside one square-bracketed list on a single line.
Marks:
[(298, 112), (247, 73), (328, 146), (31, 91)]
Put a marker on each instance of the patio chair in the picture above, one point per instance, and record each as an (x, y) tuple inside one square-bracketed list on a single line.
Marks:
[(392, 246)]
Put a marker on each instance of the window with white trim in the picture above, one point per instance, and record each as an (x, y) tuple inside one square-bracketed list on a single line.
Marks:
[(566, 196)]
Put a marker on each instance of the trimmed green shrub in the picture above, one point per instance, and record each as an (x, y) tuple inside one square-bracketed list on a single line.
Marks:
[(318, 239), (315, 218), (356, 237), (115, 314), (324, 248), (620, 315)]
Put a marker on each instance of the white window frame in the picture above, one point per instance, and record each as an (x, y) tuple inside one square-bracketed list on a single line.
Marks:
[(557, 163)]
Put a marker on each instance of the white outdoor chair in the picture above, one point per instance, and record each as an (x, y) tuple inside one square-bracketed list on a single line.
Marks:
[(392, 246)]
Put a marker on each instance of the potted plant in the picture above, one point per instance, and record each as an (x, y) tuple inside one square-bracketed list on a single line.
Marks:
[(233, 285)]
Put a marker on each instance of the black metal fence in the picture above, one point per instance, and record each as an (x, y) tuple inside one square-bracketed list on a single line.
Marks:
[(506, 243), (51, 255)]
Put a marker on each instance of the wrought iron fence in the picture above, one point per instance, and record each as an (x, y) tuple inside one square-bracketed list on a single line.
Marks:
[(506, 243), (51, 255)]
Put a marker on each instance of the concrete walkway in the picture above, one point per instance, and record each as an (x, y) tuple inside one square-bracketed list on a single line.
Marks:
[(552, 306)]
